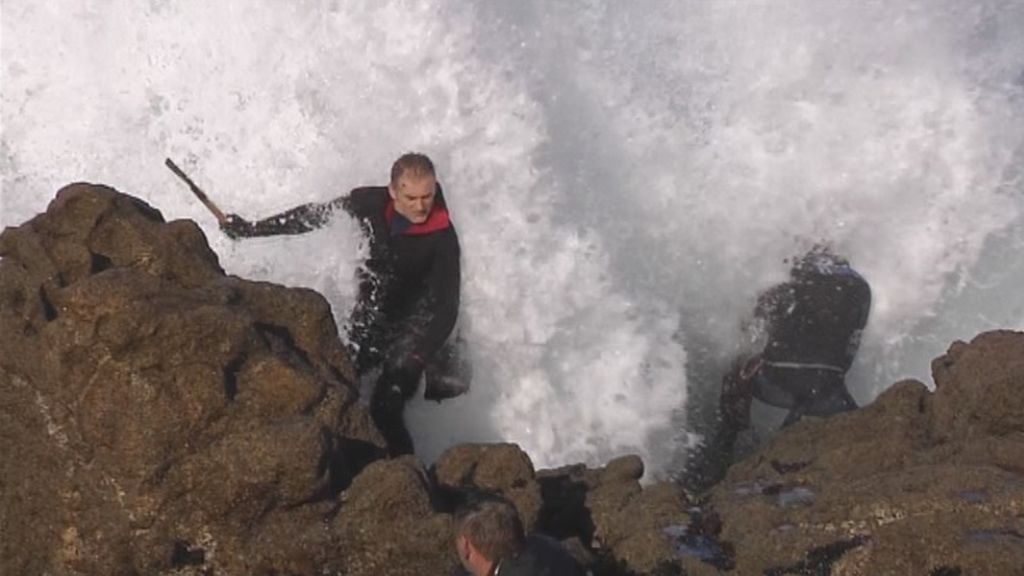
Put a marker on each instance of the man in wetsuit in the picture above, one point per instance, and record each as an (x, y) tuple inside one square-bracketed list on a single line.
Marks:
[(408, 288), (812, 326), (489, 540)]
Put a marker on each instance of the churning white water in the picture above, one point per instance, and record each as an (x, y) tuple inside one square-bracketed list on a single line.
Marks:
[(625, 176)]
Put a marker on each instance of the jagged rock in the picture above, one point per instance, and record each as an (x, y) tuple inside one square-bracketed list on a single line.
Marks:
[(915, 483), (631, 521), (159, 417), (173, 416), (495, 468), (588, 508), (388, 526), (610, 510), (980, 388)]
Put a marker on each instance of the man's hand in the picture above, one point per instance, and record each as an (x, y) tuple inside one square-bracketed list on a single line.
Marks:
[(236, 227)]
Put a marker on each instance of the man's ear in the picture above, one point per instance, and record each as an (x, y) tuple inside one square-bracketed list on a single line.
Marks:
[(462, 548), (392, 192)]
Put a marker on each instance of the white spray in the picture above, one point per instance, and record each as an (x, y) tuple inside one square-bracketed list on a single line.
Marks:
[(625, 177)]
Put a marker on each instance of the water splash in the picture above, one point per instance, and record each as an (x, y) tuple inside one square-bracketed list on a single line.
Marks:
[(624, 177)]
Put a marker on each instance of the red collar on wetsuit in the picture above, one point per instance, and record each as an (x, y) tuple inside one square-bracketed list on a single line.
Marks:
[(400, 225)]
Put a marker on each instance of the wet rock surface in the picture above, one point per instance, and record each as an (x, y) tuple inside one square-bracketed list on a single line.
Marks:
[(502, 469), (156, 414), (160, 417), (625, 524), (918, 482)]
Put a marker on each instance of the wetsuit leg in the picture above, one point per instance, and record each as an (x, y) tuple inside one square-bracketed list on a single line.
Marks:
[(397, 383), (448, 373), (709, 465)]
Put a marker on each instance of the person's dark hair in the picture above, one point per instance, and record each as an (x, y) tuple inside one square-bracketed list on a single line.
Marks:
[(492, 525), (411, 163)]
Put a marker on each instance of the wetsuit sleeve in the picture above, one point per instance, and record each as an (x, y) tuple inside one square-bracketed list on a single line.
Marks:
[(443, 297), (300, 219)]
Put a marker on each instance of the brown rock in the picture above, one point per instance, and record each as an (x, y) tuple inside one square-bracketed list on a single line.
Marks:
[(980, 387), (387, 526), (912, 484), (159, 417), (631, 521), (496, 468), (485, 466), (624, 469), (628, 524), (175, 418)]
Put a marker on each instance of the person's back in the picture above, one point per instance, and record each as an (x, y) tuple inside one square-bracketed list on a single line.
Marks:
[(813, 324), (816, 318), (540, 556)]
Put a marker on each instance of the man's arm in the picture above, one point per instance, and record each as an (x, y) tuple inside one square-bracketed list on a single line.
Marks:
[(299, 220)]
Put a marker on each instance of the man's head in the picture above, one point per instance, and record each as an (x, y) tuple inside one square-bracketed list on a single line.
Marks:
[(486, 531), (413, 186)]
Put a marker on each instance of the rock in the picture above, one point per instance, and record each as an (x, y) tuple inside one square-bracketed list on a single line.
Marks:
[(631, 521), (625, 469), (490, 467), (502, 469), (175, 417), (160, 417), (609, 510), (604, 508), (387, 525), (915, 483), (181, 421), (980, 387)]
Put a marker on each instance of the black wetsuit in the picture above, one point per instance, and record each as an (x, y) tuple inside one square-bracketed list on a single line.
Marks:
[(408, 293), (540, 556), (814, 323), (811, 326)]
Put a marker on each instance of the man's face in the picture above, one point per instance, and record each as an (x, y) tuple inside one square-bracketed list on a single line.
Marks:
[(414, 196)]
